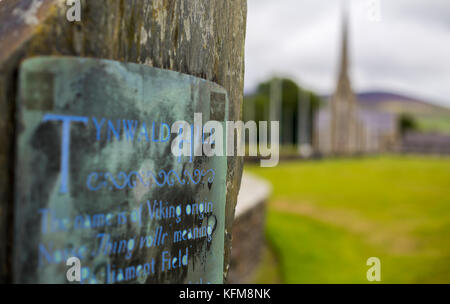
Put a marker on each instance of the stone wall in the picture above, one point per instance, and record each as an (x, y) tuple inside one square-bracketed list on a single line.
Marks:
[(248, 229)]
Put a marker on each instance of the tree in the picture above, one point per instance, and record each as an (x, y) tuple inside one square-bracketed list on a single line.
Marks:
[(406, 123), (260, 100)]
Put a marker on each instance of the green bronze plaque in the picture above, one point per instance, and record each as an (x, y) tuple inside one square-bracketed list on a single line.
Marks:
[(96, 177)]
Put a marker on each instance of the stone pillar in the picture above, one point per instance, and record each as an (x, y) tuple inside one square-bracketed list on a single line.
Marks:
[(203, 38), (275, 106), (304, 124)]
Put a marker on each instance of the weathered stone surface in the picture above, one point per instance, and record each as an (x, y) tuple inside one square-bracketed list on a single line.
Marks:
[(248, 229), (204, 38)]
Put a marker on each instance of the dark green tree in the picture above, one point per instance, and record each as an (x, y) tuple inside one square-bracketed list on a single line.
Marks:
[(256, 107), (406, 123)]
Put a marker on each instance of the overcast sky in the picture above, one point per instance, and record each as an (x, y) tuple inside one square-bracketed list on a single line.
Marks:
[(407, 51)]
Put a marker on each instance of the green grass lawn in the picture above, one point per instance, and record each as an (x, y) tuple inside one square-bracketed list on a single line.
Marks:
[(326, 218)]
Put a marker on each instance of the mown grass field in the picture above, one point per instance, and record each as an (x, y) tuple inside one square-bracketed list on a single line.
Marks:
[(326, 218)]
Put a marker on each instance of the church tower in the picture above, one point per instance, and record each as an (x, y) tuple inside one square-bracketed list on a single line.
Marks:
[(344, 123)]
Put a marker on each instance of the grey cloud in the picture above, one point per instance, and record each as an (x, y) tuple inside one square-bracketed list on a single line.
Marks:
[(407, 51)]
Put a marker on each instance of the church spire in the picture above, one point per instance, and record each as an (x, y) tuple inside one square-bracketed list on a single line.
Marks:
[(344, 104), (344, 62)]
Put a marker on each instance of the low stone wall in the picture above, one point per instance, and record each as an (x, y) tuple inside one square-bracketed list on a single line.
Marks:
[(426, 143), (248, 229)]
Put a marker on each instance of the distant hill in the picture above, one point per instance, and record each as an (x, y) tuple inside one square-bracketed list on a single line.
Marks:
[(431, 117), (376, 97), (396, 103)]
